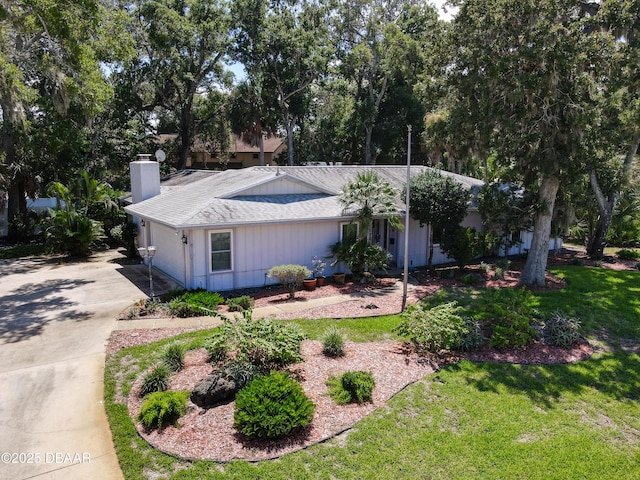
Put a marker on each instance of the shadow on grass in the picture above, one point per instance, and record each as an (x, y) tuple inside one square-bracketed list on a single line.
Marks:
[(615, 375)]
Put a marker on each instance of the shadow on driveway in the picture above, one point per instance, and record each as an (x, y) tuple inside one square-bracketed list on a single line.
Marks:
[(25, 311)]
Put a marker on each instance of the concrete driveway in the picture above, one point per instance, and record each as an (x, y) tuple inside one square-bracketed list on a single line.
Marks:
[(55, 319)]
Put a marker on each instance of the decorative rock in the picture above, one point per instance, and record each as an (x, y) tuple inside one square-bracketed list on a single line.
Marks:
[(213, 391)]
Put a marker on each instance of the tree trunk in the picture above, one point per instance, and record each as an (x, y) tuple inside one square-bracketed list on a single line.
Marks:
[(261, 154), (606, 206), (367, 144), (536, 264), (290, 125)]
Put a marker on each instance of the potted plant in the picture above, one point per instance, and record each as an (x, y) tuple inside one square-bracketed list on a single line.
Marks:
[(318, 270), (310, 283)]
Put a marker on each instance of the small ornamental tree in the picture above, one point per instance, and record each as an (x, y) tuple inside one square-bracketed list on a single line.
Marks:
[(290, 276), (439, 201)]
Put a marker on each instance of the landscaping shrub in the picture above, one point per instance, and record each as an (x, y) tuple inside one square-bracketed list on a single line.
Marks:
[(485, 268), (156, 380), (503, 263), (195, 302), (333, 342), (471, 279), (351, 387), (173, 357), (241, 373), (462, 244), (161, 408), (434, 329), (265, 343), (125, 234), (239, 304), (626, 254), (509, 315), (498, 273), (561, 329), (290, 276), (272, 406), (471, 337)]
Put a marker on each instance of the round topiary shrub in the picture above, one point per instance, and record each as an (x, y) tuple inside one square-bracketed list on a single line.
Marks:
[(271, 406), (351, 387)]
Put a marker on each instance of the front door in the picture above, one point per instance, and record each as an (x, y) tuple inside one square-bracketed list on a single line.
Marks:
[(384, 235)]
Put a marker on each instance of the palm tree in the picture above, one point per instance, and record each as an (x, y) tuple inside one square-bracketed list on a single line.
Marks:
[(367, 197)]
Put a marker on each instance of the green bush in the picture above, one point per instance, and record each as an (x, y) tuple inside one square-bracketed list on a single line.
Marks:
[(125, 234), (360, 256), (471, 337), (498, 273), (333, 342), (509, 315), (195, 302), (626, 254), (434, 329), (69, 231), (272, 406), (239, 304), (155, 380), (561, 329), (290, 276), (351, 387), (173, 357), (265, 343), (462, 244), (503, 263), (161, 408)]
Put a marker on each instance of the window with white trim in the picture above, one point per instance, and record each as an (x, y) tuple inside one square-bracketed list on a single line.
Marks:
[(220, 246)]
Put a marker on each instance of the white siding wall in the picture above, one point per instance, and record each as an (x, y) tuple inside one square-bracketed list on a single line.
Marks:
[(257, 248), (418, 245), (169, 251)]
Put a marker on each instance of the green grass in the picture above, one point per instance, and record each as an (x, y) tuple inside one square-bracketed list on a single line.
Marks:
[(469, 420)]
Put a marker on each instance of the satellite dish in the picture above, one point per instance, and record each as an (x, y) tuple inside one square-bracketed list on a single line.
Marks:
[(160, 156)]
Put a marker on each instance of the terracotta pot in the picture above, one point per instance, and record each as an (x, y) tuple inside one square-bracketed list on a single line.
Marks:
[(338, 278), (310, 283), (320, 281)]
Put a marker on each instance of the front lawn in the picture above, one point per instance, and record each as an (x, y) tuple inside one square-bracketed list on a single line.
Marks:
[(484, 420)]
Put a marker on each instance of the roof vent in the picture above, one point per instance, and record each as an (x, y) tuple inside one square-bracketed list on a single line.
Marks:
[(278, 171)]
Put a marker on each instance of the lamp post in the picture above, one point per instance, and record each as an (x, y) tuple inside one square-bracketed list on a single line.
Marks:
[(147, 253), (405, 277)]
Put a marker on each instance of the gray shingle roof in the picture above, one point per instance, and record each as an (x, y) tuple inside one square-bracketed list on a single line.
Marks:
[(204, 202)]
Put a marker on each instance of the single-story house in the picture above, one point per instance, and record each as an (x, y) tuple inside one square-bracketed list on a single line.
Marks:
[(224, 230)]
